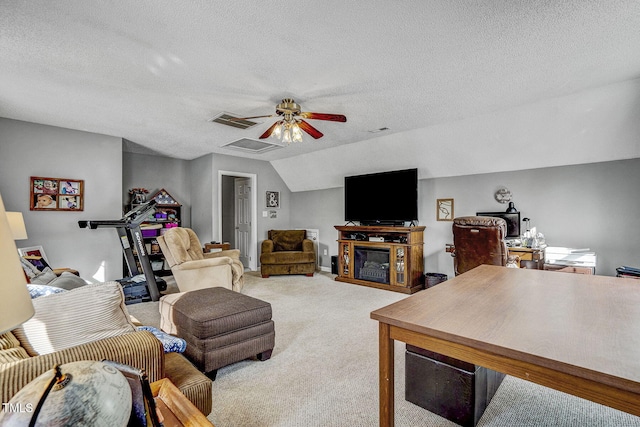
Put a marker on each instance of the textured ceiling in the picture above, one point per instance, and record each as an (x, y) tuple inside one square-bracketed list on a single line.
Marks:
[(154, 72)]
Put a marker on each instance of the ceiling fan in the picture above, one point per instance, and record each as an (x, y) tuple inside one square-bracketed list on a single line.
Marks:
[(289, 127)]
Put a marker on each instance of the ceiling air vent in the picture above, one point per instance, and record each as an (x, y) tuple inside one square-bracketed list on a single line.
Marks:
[(255, 146), (224, 119)]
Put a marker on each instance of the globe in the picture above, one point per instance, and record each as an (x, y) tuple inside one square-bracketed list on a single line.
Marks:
[(96, 395)]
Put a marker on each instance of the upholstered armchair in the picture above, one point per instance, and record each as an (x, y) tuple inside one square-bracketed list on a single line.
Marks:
[(138, 349), (193, 269), (93, 325), (287, 252), (479, 240)]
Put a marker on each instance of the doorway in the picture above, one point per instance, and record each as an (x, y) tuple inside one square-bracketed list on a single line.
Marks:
[(237, 214)]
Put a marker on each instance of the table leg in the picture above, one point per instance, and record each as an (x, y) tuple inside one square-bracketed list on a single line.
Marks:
[(386, 376)]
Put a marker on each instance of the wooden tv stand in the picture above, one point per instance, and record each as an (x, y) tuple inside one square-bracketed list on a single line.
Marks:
[(381, 257)]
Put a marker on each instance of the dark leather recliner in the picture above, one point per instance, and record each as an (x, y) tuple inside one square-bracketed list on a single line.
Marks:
[(478, 240), (464, 389)]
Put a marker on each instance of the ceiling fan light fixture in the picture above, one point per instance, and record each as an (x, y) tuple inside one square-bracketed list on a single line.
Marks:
[(291, 125), (277, 132), (286, 136), (296, 133), (287, 130)]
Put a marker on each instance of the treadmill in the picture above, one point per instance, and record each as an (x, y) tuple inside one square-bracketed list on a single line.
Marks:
[(138, 286)]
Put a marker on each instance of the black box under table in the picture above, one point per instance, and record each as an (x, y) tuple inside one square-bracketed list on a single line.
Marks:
[(456, 390)]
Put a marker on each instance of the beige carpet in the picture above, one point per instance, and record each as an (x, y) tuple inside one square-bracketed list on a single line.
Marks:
[(324, 368)]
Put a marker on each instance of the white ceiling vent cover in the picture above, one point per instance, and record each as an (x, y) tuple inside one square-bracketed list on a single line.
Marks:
[(223, 119), (253, 145)]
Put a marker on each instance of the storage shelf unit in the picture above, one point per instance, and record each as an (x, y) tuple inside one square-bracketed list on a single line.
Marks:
[(381, 257), (167, 215)]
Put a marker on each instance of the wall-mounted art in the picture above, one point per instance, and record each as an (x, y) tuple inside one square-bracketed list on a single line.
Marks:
[(503, 195), (273, 199), (56, 194), (444, 209), (35, 255)]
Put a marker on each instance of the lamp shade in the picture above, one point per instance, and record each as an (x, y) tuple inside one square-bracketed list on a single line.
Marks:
[(16, 224), (15, 301)]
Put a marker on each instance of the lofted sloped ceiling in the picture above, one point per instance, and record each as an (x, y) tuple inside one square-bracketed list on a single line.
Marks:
[(462, 86)]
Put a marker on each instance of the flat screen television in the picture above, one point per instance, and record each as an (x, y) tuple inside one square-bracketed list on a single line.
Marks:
[(512, 219), (385, 198)]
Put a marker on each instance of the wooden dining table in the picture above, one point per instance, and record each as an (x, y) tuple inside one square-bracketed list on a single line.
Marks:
[(571, 332)]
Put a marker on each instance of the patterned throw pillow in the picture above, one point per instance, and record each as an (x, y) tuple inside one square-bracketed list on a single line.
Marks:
[(169, 342), (41, 290)]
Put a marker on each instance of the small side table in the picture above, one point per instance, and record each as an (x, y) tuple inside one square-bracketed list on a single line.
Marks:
[(176, 409), (570, 268), (530, 257), (216, 247)]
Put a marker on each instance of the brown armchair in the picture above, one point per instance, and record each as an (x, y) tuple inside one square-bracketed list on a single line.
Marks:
[(478, 240), (138, 349), (287, 252)]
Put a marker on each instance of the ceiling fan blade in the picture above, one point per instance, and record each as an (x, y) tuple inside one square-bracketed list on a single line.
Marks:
[(236, 119), (323, 116), (310, 129), (269, 131)]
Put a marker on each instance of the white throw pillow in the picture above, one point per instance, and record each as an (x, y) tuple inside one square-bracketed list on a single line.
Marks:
[(44, 277), (67, 281), (75, 317)]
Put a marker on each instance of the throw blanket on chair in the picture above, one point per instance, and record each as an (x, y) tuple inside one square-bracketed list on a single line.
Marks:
[(170, 343)]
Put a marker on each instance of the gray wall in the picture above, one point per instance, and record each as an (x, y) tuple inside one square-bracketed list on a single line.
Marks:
[(155, 173), (199, 179), (28, 149), (267, 180), (322, 209), (584, 206), (592, 205)]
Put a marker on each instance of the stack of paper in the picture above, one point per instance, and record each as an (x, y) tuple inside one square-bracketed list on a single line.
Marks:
[(569, 256), (626, 271)]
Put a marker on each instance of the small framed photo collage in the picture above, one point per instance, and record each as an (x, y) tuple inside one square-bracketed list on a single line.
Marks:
[(56, 194)]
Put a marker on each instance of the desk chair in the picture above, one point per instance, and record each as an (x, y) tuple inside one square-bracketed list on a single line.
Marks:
[(464, 390), (478, 240)]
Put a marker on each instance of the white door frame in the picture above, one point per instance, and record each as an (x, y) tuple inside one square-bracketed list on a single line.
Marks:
[(253, 244)]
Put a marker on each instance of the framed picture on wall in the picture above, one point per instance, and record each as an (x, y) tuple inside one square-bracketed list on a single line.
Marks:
[(56, 194), (444, 209), (35, 255), (273, 199)]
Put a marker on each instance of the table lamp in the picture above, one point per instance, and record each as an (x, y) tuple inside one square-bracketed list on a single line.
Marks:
[(16, 225), (15, 301)]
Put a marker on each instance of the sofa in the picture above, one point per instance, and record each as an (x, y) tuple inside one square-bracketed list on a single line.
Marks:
[(101, 329), (287, 252)]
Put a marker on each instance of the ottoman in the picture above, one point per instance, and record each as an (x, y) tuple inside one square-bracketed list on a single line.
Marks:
[(222, 327)]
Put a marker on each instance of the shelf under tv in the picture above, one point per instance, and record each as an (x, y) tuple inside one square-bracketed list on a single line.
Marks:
[(393, 261)]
